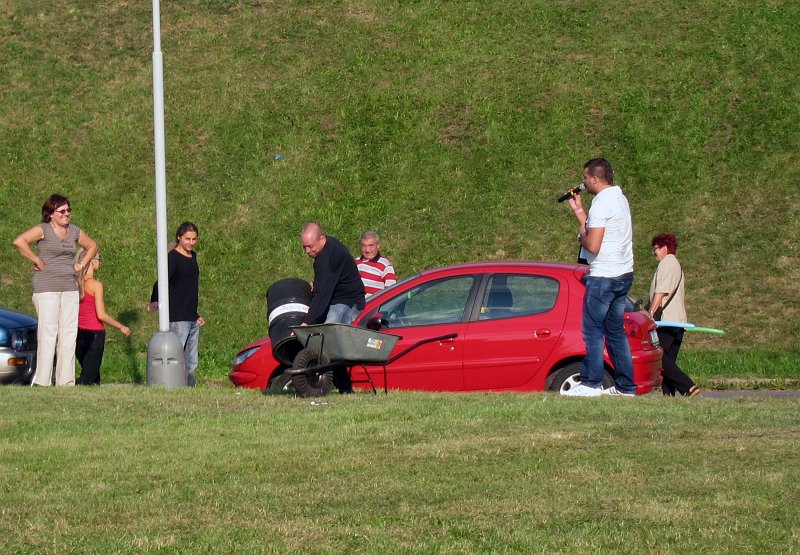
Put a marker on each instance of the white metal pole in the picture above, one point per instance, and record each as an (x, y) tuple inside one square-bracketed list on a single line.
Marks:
[(161, 172), (166, 364)]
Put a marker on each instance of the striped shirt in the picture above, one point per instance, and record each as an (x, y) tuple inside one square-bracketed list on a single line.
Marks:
[(58, 256), (377, 273)]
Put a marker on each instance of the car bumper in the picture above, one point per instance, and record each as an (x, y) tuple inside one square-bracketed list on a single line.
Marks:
[(17, 367), (247, 379), (647, 369)]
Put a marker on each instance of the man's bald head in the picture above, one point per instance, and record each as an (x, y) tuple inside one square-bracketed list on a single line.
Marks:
[(313, 239)]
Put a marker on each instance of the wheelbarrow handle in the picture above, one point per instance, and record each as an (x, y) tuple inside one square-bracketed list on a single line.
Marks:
[(418, 343)]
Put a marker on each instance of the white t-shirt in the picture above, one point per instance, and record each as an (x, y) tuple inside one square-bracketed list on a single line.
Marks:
[(610, 210)]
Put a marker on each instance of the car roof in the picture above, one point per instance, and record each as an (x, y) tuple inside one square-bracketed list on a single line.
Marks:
[(506, 265)]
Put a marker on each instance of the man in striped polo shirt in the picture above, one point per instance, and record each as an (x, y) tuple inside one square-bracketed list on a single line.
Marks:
[(376, 272)]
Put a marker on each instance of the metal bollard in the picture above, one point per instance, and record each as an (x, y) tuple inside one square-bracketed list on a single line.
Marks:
[(166, 364)]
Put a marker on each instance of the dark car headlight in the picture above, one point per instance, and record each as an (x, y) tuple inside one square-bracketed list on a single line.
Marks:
[(244, 355), (18, 340)]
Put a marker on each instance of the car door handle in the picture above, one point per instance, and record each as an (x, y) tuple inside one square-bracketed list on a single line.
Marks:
[(448, 342), (542, 332)]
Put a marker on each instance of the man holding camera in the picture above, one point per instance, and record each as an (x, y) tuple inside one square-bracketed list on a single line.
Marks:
[(606, 236)]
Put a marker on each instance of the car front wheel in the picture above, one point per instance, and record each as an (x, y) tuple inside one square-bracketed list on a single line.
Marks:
[(280, 383)]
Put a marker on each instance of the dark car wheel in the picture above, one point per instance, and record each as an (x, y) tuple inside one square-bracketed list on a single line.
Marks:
[(279, 384), (570, 376), (315, 383)]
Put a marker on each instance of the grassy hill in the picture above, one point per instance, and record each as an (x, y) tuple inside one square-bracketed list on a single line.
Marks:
[(450, 127)]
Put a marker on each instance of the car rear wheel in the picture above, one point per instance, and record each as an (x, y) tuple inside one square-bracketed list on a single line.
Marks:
[(570, 376), (313, 383)]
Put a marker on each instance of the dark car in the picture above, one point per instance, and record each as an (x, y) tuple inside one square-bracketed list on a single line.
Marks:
[(518, 327), (17, 347)]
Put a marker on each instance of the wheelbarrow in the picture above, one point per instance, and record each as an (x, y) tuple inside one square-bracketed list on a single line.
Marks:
[(333, 347)]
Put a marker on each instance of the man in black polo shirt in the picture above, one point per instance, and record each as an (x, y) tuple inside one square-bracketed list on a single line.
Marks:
[(338, 292)]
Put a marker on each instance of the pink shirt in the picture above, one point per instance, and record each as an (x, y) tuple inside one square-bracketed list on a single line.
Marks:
[(87, 315)]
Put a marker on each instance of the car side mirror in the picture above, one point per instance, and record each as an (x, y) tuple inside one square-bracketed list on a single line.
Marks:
[(377, 322)]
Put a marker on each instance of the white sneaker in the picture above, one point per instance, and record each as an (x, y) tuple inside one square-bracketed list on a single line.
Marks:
[(580, 390), (614, 391)]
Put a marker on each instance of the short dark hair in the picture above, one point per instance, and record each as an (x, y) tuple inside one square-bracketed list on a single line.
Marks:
[(50, 205), (600, 167), (666, 240), (183, 228)]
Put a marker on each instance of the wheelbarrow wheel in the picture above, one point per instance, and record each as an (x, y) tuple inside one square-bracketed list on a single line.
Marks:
[(314, 383)]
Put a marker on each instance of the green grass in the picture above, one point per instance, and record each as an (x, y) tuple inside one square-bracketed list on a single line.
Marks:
[(448, 126), (120, 469), (741, 363)]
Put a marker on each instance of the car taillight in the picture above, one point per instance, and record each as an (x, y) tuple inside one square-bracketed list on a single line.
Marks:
[(647, 336)]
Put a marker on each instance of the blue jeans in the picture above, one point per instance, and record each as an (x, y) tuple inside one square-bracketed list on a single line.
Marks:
[(188, 332), (603, 319), (341, 314)]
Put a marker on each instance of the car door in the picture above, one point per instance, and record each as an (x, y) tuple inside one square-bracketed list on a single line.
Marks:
[(516, 326), (429, 309)]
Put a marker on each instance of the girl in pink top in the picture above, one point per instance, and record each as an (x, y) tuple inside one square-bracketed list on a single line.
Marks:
[(91, 331)]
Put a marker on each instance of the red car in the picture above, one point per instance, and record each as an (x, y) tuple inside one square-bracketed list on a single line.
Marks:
[(518, 327)]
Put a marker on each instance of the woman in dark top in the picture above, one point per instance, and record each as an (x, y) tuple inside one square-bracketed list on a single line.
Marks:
[(55, 288), (184, 282)]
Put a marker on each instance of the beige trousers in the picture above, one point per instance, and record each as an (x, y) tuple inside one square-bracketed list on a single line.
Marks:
[(57, 332)]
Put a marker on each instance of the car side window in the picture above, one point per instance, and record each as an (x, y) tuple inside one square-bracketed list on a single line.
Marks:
[(510, 295), (438, 302)]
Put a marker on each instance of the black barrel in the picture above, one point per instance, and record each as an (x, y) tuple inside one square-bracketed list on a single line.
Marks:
[(288, 301)]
